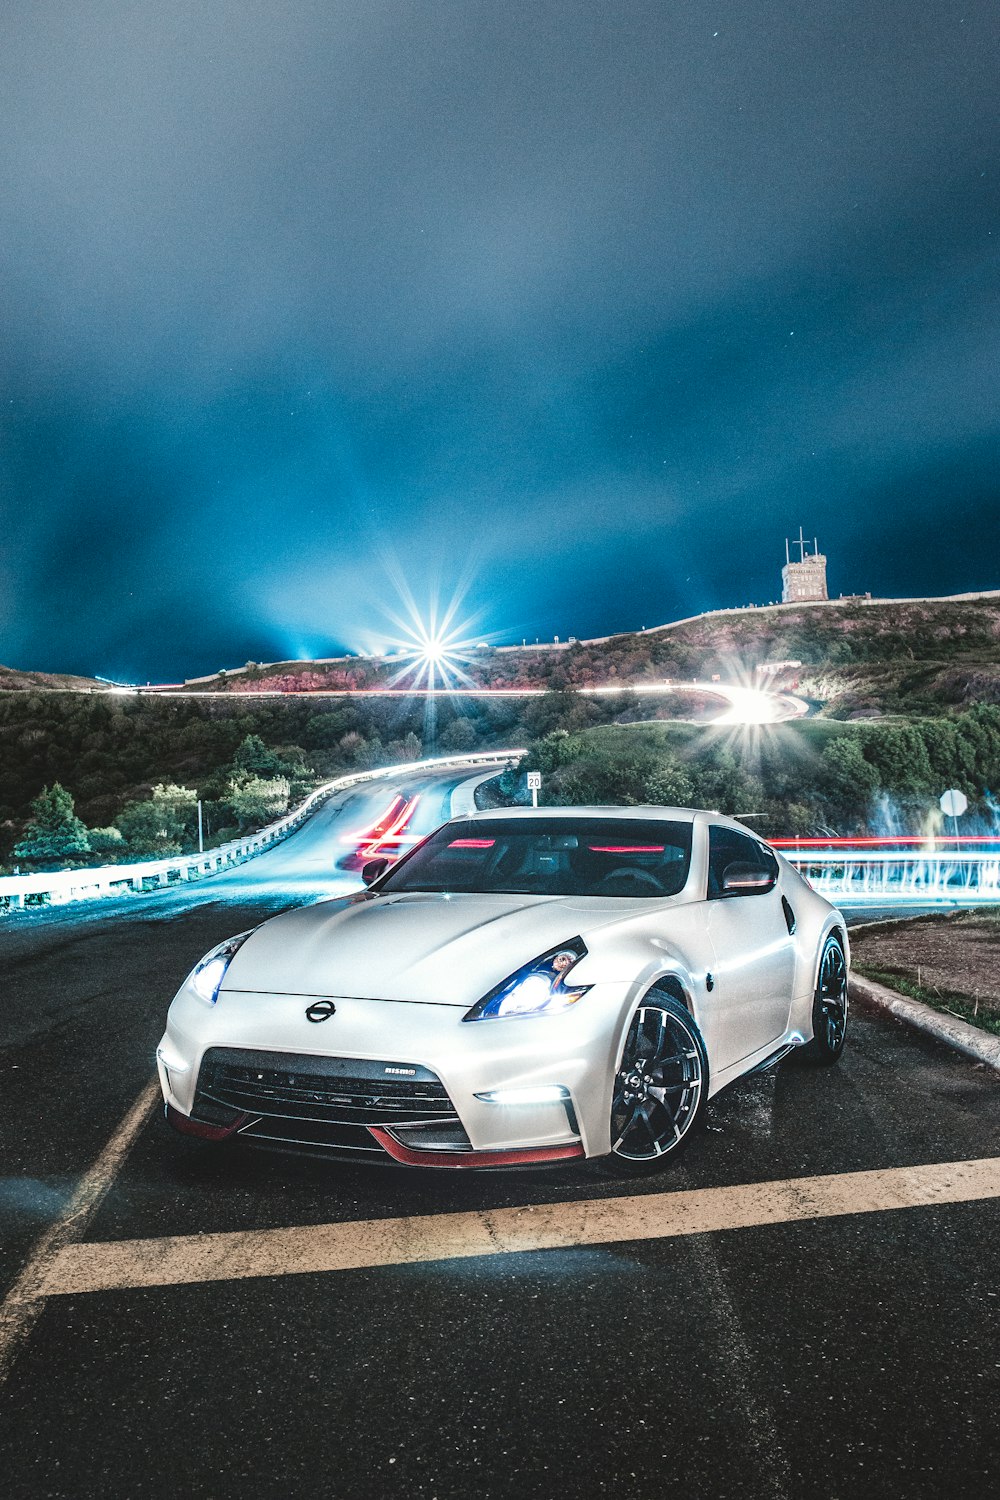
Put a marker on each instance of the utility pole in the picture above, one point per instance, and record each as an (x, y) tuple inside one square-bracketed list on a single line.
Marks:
[(201, 830)]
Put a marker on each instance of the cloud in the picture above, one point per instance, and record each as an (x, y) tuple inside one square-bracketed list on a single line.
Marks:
[(570, 293)]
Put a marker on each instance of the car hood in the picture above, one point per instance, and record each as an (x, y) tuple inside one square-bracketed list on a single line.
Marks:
[(428, 948)]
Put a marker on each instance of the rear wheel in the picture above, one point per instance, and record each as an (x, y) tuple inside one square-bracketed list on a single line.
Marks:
[(829, 1007), (660, 1085)]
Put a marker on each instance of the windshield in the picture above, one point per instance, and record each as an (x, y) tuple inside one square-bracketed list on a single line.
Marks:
[(550, 857)]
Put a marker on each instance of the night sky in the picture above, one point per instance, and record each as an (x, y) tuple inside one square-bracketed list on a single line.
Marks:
[(578, 308)]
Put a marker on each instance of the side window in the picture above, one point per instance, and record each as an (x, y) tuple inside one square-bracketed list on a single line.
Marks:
[(727, 847)]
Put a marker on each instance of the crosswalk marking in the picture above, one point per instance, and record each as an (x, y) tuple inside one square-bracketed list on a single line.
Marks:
[(356, 1245)]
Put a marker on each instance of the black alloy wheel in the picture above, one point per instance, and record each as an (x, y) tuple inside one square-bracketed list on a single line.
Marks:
[(660, 1085), (829, 1006)]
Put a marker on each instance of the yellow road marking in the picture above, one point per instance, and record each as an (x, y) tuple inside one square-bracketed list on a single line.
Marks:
[(355, 1245)]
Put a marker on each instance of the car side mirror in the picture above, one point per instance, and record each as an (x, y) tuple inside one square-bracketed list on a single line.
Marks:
[(742, 879), (371, 871)]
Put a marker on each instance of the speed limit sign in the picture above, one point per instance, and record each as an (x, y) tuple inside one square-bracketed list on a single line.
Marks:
[(534, 786)]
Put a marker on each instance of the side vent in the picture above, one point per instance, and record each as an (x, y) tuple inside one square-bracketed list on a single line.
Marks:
[(789, 914)]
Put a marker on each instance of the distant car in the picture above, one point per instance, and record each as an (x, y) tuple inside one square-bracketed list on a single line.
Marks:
[(388, 835), (520, 987)]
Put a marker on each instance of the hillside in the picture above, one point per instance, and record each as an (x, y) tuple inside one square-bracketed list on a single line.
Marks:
[(14, 680), (907, 664), (858, 657), (811, 776)]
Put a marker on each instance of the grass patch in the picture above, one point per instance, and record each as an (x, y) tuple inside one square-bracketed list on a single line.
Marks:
[(990, 915), (949, 1001)]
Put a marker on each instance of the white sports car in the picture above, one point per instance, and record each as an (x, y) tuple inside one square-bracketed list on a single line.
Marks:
[(521, 987)]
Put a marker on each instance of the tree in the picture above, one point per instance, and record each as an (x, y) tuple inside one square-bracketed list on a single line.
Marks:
[(163, 823), (180, 801), (846, 776), (411, 746), (151, 828), (253, 758), (669, 786), (554, 750), (53, 832), (258, 800), (459, 736), (351, 746), (370, 753), (900, 758), (322, 731), (725, 785)]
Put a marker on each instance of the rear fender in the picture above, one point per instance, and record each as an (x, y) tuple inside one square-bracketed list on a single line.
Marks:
[(802, 1010)]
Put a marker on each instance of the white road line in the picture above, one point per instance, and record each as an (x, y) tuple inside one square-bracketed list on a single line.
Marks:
[(740, 1365), (356, 1245), (23, 1304)]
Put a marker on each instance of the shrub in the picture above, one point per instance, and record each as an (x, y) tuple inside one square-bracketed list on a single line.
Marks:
[(107, 841)]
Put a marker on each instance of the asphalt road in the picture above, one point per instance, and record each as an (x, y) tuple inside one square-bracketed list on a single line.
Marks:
[(824, 1351)]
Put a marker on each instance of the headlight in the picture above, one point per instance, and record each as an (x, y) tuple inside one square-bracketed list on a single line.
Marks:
[(538, 989), (206, 978)]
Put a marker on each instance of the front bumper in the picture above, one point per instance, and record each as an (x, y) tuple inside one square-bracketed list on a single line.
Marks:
[(386, 1144), (576, 1051)]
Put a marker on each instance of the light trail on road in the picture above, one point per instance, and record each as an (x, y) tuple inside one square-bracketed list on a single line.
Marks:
[(746, 705), (928, 871)]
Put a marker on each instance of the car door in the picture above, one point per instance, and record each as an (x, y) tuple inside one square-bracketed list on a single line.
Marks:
[(754, 950)]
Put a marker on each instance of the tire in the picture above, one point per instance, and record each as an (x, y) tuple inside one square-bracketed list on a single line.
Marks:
[(830, 1005), (660, 1086)]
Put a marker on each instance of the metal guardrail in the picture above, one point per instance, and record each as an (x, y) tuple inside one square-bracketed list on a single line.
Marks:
[(962, 874), (60, 887), (955, 872)]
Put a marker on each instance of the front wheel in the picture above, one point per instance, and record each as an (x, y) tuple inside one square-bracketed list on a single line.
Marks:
[(829, 1007), (660, 1086)]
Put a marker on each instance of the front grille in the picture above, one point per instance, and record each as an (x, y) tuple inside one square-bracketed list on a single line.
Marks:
[(329, 1090)]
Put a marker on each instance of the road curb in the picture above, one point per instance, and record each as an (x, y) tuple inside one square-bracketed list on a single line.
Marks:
[(957, 1034), (463, 798)]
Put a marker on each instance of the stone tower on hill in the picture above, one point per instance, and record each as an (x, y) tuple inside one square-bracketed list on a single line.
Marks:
[(804, 581)]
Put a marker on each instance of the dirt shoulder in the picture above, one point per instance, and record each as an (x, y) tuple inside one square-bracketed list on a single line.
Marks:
[(951, 962)]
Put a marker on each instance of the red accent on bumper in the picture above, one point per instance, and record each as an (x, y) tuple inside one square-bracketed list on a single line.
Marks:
[(520, 1157), (184, 1125)]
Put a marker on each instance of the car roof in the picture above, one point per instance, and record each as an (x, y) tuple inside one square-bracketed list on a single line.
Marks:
[(639, 814)]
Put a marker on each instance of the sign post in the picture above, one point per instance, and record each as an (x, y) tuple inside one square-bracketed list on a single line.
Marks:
[(953, 804), (534, 786)]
